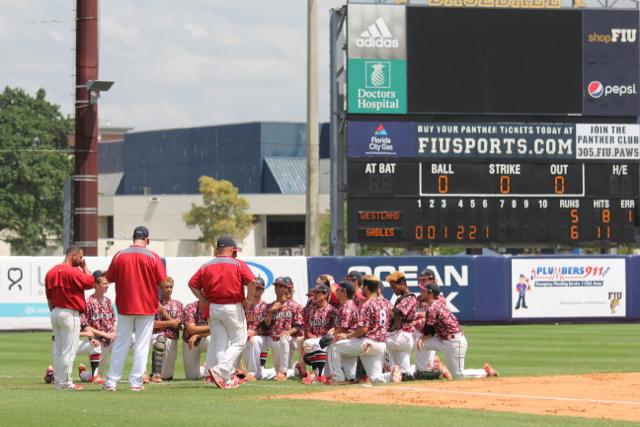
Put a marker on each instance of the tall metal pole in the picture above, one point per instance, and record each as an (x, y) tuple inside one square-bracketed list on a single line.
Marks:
[(312, 238), (336, 67), (85, 178)]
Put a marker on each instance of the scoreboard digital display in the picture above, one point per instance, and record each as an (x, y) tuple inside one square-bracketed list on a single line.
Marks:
[(471, 199)]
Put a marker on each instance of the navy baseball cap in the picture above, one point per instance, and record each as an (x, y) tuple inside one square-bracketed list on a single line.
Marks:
[(428, 273), (140, 232), (226, 242), (354, 275), (320, 288), (347, 287), (260, 282), (284, 281), (431, 288)]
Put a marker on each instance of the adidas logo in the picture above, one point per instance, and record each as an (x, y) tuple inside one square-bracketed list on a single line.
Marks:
[(377, 35)]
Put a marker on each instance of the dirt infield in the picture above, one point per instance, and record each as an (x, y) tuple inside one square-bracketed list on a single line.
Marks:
[(605, 396)]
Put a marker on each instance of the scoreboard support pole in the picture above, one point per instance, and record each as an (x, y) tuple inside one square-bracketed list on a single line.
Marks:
[(337, 126)]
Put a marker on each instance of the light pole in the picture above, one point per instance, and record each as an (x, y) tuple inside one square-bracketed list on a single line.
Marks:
[(312, 238)]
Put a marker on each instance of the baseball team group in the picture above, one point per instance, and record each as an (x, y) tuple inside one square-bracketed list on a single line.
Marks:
[(346, 333)]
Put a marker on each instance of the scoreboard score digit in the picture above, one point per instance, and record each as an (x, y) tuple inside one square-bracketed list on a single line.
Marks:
[(425, 202)]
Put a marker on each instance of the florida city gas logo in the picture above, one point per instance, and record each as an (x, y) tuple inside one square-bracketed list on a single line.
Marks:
[(377, 35), (597, 89), (380, 142), (617, 35)]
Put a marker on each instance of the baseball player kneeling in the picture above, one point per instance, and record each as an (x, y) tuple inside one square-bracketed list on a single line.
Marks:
[(166, 331), (442, 333), (255, 349), (196, 338), (321, 318), (284, 320), (366, 342)]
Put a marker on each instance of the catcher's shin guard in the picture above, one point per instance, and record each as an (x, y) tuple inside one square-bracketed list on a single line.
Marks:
[(159, 349)]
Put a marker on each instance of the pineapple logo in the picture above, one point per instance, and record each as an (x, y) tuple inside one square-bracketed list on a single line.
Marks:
[(377, 74)]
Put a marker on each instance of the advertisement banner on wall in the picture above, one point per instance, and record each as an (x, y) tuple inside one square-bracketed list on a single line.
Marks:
[(454, 274), (568, 287), (377, 60)]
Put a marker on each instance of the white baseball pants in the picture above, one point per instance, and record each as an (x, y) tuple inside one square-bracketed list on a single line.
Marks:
[(454, 350), (191, 358), (281, 352), (424, 358), (66, 333), (345, 355), (127, 324), (256, 345), (399, 345), (228, 327)]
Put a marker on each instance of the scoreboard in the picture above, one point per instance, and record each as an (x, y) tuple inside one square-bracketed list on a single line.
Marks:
[(492, 126), (586, 195)]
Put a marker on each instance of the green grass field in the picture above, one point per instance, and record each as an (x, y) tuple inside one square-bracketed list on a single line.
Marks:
[(512, 350)]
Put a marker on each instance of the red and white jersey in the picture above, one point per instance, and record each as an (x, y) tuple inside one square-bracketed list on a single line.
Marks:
[(289, 316), (137, 272), (308, 308), (320, 320), (348, 316), (421, 314), (99, 315), (443, 321), (65, 286), (175, 310), (256, 316), (222, 280), (374, 315), (405, 307), (192, 314)]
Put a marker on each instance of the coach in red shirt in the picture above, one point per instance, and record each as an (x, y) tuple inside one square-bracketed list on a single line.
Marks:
[(136, 271), (220, 283), (65, 285)]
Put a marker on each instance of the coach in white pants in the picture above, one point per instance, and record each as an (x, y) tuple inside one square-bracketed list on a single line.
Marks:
[(137, 272), (65, 285), (220, 282)]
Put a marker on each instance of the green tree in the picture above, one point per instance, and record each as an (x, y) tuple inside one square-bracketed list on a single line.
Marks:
[(35, 160), (224, 213)]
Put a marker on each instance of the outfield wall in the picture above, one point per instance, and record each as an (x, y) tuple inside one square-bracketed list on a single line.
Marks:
[(477, 288)]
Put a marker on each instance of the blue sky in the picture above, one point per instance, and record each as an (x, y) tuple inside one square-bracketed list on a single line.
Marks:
[(175, 64)]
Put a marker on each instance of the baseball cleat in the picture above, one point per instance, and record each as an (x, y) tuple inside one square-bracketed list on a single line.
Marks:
[(156, 379), (250, 377), (96, 380), (310, 379), (396, 375), (280, 376), (71, 387), (216, 377), (48, 375), (136, 388), (489, 370)]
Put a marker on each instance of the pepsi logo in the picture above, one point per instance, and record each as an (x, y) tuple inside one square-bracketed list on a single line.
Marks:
[(595, 89)]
